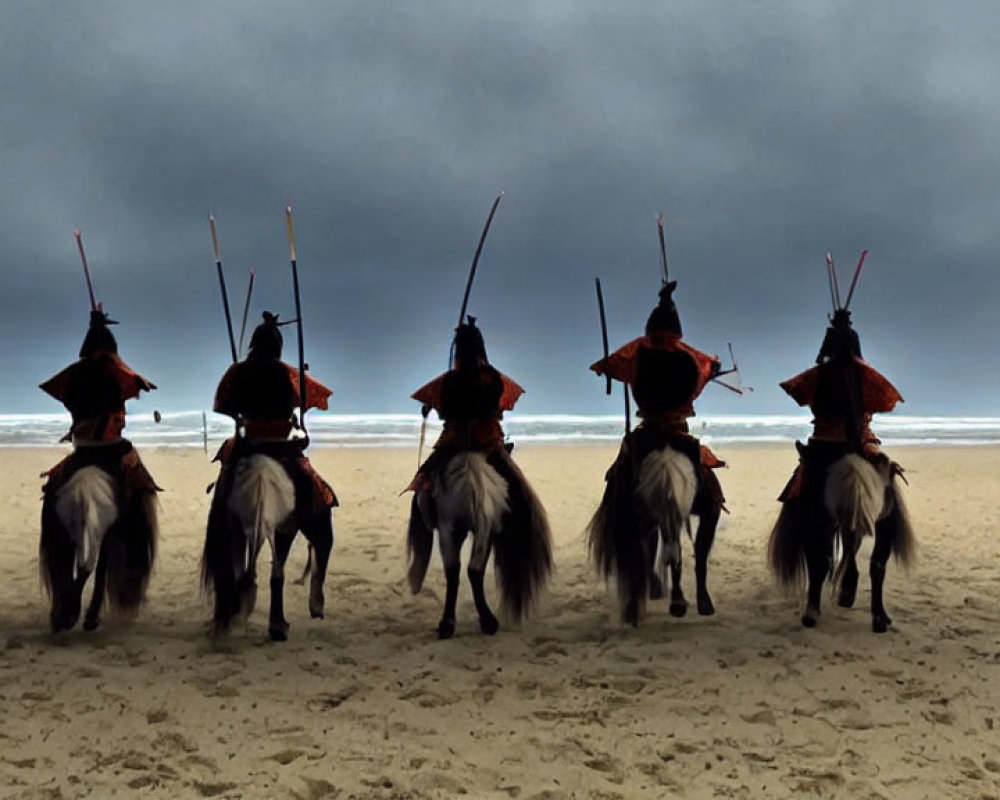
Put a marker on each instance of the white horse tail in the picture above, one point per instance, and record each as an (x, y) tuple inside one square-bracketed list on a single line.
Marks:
[(666, 487), (262, 498), (87, 508), (896, 522), (854, 495), (474, 493)]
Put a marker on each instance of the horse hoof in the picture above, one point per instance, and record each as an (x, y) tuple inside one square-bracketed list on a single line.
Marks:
[(489, 625), (62, 622), (655, 587), (91, 624), (845, 601), (678, 608), (278, 633), (446, 629), (705, 606), (808, 621), (881, 624), (316, 609), (631, 613)]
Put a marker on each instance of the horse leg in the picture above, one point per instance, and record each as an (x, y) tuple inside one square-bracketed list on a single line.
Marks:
[(66, 604), (819, 552), (481, 547), (849, 581), (93, 616), (277, 625), (876, 570), (672, 554), (708, 522), (655, 583), (450, 543), (320, 536)]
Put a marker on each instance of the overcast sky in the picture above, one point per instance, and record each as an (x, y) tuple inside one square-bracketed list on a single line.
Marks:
[(768, 133)]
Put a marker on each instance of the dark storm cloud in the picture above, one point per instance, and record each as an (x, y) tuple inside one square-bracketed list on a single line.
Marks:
[(768, 132)]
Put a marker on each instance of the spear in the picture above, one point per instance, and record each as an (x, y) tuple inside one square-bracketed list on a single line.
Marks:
[(222, 287), (854, 282), (298, 319), (86, 269), (663, 250), (246, 309)]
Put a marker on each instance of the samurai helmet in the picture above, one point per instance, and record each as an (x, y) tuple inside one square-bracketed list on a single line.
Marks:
[(468, 345), (98, 337), (664, 318), (266, 341), (841, 340)]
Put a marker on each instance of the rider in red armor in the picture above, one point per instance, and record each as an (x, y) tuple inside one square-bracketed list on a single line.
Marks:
[(94, 390), (842, 391), (261, 393), (665, 375), (470, 399)]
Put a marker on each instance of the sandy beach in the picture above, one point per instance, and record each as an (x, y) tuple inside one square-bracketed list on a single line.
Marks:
[(367, 703)]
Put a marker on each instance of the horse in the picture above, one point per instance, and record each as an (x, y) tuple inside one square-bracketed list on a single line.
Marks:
[(95, 523), (859, 498), (494, 503), (256, 502), (641, 515)]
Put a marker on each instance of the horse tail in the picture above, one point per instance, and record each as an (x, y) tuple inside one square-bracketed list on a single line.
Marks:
[(130, 549), (897, 525), (523, 543), (617, 547), (258, 497), (666, 488), (75, 518), (419, 544), (854, 495), (786, 546)]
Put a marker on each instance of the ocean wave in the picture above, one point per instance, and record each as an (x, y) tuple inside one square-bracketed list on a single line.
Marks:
[(178, 429)]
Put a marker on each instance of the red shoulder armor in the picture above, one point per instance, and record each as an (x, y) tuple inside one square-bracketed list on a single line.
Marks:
[(511, 393), (317, 394), (878, 395), (130, 382), (430, 393), (621, 365)]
